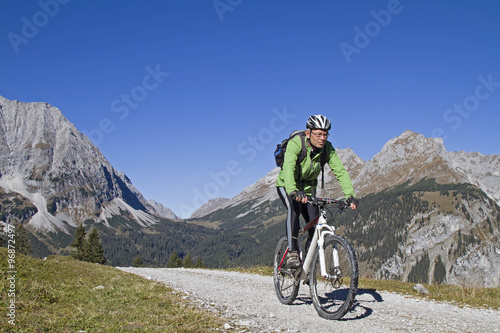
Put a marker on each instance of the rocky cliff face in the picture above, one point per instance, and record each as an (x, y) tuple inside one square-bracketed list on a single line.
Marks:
[(162, 211), (478, 169), (459, 230), (48, 162), (412, 157)]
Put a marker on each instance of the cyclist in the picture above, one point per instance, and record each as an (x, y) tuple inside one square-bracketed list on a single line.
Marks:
[(296, 181)]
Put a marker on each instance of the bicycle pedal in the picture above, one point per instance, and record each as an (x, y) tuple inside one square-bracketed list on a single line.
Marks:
[(297, 272)]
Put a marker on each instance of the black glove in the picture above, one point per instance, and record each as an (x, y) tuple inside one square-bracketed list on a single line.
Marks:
[(298, 194), (352, 200)]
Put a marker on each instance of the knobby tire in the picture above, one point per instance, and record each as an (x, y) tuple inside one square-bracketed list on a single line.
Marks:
[(334, 296), (286, 286)]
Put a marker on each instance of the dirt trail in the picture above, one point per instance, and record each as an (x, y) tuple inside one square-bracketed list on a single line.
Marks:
[(249, 301)]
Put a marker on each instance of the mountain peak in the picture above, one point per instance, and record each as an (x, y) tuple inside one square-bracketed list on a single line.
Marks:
[(162, 211), (411, 143), (349, 158), (47, 160)]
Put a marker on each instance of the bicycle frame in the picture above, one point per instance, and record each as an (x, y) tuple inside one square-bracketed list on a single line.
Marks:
[(322, 230)]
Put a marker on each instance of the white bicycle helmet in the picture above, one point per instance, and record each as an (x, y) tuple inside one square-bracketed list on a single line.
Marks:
[(318, 122)]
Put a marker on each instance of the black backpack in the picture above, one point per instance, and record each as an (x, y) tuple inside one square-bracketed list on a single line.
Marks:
[(279, 153)]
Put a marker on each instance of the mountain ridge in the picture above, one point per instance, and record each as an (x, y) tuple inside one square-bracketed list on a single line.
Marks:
[(409, 156), (210, 206), (370, 176)]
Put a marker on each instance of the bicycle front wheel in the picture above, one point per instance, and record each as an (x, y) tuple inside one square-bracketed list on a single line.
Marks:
[(333, 294), (285, 284)]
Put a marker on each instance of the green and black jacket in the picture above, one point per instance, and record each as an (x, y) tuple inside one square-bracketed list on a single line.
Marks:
[(310, 169)]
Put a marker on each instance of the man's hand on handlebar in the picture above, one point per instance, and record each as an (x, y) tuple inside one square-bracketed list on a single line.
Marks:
[(352, 202), (299, 196)]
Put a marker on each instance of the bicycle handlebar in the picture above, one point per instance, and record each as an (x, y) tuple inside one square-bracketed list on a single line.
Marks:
[(340, 204)]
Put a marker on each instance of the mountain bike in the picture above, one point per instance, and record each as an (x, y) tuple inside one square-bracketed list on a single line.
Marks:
[(330, 267)]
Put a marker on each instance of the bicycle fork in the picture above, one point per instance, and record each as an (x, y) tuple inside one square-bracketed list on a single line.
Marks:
[(334, 275), (319, 241)]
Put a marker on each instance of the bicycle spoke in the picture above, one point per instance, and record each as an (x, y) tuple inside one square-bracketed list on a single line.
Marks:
[(284, 281), (334, 294)]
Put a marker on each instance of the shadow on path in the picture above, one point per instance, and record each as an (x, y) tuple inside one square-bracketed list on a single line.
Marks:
[(361, 308)]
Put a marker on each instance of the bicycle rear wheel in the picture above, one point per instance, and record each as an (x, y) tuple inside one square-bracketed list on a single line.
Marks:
[(334, 294), (285, 284)]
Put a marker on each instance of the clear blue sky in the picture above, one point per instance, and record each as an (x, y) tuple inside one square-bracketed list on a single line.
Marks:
[(189, 98)]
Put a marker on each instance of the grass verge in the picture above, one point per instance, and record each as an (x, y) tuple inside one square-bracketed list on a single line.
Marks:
[(460, 295), (61, 294)]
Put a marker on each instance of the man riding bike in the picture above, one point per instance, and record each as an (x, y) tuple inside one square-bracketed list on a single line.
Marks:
[(296, 181)]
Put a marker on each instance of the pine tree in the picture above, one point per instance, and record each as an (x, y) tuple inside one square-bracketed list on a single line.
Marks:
[(79, 243), (439, 271), (3, 242), (174, 260), (187, 261), (138, 262), (419, 273), (22, 241), (93, 248), (199, 264)]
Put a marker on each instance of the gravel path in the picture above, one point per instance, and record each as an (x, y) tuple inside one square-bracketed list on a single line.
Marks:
[(249, 302)]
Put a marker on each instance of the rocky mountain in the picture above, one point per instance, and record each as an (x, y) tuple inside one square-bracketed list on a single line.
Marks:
[(54, 178), (210, 206), (162, 211), (408, 157), (412, 156)]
